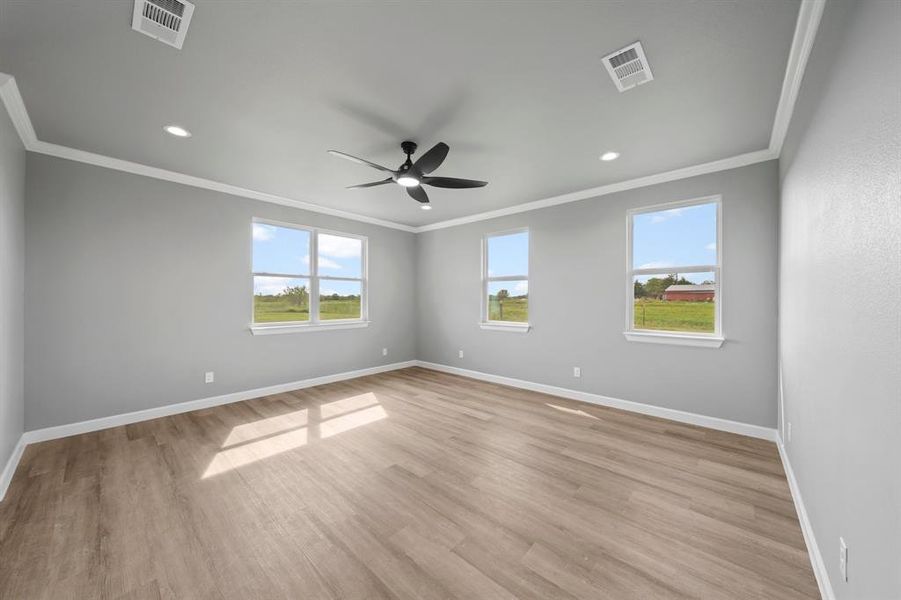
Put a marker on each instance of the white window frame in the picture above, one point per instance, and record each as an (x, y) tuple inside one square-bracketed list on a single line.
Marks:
[(314, 324), (707, 340), (484, 321)]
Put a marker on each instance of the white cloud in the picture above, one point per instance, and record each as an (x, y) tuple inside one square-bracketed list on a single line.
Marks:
[(327, 263), (711, 246), (324, 263), (263, 233), (666, 215), (672, 213), (656, 265), (269, 286), (521, 288), (339, 247)]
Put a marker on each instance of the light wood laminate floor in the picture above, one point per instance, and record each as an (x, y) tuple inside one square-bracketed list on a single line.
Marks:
[(411, 484)]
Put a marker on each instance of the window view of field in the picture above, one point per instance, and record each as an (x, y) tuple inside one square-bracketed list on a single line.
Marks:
[(663, 243), (280, 297), (508, 258), (293, 304), (674, 303), (508, 301), (508, 308)]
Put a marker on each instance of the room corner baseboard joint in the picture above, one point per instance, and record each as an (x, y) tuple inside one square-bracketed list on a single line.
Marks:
[(813, 550)]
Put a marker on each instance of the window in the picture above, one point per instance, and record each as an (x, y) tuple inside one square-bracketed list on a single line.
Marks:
[(674, 273), (291, 292), (505, 280)]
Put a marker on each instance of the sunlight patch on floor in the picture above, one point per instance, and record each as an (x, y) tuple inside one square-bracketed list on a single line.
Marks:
[(251, 442), (238, 456), (351, 421), (265, 427), (572, 411), (346, 405)]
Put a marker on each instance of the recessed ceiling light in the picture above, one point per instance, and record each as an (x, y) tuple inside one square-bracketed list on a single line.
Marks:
[(608, 156), (177, 131), (408, 181), (426, 207)]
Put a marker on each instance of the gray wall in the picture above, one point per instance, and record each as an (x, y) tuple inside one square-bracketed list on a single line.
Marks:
[(135, 287), (840, 280), (579, 250), (12, 265)]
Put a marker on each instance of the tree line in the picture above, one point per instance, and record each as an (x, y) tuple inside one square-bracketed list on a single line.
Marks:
[(655, 286), (299, 295)]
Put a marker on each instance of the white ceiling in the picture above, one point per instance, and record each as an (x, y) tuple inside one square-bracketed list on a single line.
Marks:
[(517, 90)]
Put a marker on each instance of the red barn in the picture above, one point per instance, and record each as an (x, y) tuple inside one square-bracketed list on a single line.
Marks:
[(703, 292)]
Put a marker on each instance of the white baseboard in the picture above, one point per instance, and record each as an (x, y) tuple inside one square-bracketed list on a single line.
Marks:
[(61, 431), (757, 431), (813, 550), (7, 476)]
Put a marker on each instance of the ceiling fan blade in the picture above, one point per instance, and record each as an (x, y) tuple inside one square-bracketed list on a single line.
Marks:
[(432, 159), (359, 161), (418, 194), (370, 184), (453, 182)]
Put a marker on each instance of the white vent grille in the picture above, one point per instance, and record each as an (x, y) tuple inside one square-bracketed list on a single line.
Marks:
[(628, 67), (164, 20)]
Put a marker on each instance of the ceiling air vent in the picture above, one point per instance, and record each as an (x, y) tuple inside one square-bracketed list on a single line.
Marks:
[(628, 67), (164, 20)]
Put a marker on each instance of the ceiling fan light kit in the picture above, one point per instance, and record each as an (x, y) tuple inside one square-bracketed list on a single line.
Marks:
[(413, 175)]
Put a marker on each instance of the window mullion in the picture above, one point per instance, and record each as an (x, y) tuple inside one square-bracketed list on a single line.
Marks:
[(314, 277)]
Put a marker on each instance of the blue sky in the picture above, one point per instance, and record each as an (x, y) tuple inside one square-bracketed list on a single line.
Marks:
[(509, 255), (675, 237), (287, 250)]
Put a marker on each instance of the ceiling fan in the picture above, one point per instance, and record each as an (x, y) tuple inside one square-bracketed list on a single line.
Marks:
[(413, 175)]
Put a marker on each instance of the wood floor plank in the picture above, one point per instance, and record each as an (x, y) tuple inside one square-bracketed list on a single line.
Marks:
[(411, 485)]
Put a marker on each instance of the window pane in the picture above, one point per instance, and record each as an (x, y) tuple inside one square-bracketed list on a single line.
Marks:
[(675, 237), (339, 299), (508, 254), (277, 299), (675, 302), (340, 256), (508, 301), (280, 250)]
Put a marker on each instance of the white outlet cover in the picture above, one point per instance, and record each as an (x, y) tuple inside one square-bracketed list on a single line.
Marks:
[(577, 371), (384, 352), (460, 354), (209, 377)]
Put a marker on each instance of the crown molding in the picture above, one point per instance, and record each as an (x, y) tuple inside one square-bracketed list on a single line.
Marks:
[(15, 106), (808, 22), (199, 182), (806, 27), (733, 162), (802, 43), (12, 99)]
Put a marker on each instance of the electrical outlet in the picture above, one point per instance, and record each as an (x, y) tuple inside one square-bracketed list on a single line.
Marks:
[(209, 377), (384, 352), (577, 371), (460, 354), (788, 432), (843, 558)]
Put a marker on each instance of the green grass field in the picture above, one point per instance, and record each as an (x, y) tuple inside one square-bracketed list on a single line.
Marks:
[(695, 317), (275, 309), (512, 309)]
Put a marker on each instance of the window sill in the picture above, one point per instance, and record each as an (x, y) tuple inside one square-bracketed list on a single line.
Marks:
[(306, 327), (677, 339), (511, 327)]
